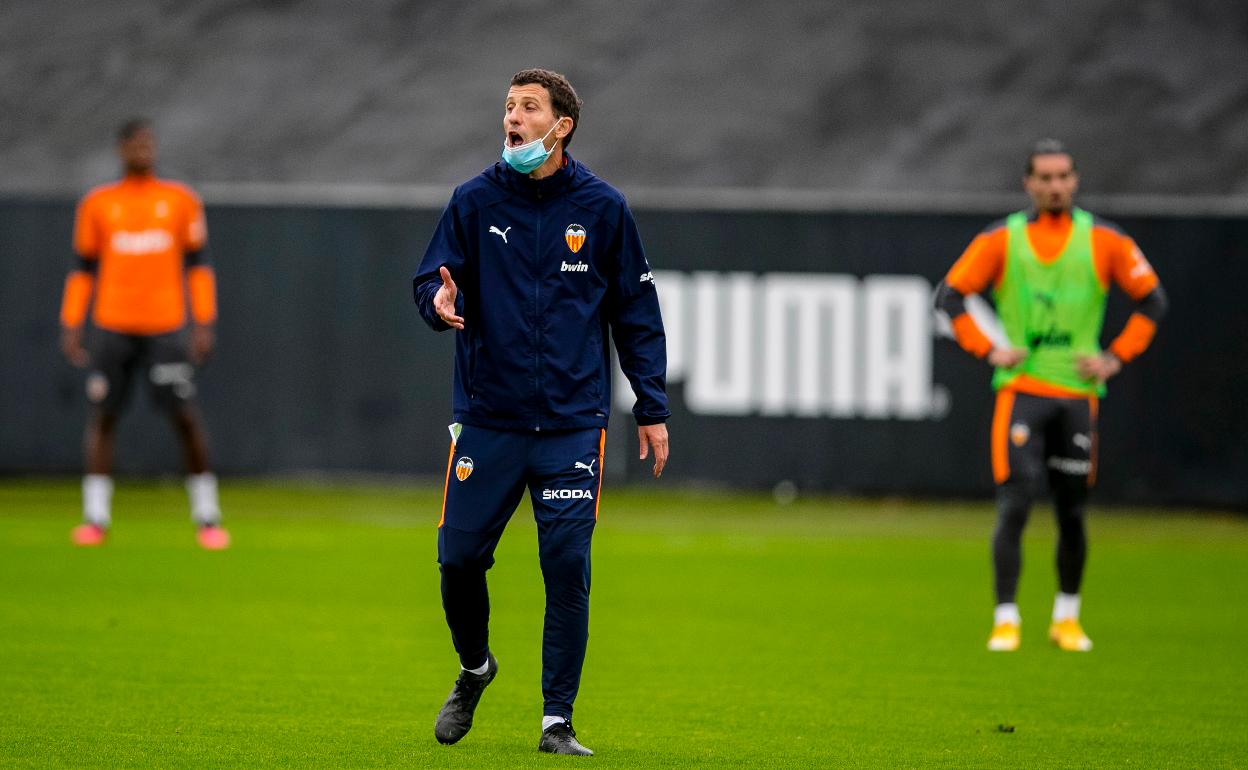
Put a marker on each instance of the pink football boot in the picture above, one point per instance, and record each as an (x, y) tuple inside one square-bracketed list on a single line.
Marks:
[(88, 535), (213, 538)]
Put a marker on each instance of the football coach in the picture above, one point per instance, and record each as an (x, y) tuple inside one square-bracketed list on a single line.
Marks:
[(534, 262)]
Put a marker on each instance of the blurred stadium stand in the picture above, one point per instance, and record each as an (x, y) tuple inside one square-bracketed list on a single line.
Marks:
[(892, 95)]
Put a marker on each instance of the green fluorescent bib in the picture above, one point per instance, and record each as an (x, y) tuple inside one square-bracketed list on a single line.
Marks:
[(1053, 311)]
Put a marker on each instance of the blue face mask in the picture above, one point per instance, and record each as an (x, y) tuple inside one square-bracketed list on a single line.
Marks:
[(529, 155)]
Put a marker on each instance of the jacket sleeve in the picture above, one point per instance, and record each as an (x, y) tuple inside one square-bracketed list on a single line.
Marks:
[(446, 248), (637, 324)]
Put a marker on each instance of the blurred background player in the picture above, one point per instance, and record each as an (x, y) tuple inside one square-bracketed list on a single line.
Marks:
[(1050, 270), (140, 244)]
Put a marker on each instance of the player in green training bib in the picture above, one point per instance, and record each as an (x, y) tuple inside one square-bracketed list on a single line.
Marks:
[(1052, 309), (1049, 271)]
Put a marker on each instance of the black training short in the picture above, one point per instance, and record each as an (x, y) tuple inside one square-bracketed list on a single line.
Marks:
[(163, 360), (1035, 436)]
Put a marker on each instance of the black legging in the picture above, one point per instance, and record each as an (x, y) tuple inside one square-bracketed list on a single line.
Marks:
[(1070, 494)]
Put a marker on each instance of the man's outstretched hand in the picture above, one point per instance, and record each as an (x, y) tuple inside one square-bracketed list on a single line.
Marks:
[(444, 300)]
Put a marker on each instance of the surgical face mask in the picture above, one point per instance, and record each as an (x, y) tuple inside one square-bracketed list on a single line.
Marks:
[(529, 155)]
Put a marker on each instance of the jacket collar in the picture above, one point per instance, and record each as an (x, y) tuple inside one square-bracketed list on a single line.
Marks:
[(555, 184)]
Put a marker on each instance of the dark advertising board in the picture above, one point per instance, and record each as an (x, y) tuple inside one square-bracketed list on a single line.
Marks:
[(802, 349)]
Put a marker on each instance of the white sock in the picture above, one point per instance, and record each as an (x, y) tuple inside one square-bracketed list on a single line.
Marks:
[(1006, 613), (97, 499), (549, 721), (479, 671), (201, 488), (1066, 606)]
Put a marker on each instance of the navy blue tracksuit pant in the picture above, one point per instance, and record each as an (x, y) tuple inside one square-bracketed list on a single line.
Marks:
[(487, 474)]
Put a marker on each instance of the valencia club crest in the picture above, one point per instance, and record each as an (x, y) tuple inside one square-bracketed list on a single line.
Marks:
[(575, 236)]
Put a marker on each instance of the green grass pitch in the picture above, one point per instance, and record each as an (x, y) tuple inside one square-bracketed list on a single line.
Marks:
[(725, 632)]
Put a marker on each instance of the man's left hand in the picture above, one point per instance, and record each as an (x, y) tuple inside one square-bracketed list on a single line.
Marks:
[(654, 436), (202, 341), (1099, 368)]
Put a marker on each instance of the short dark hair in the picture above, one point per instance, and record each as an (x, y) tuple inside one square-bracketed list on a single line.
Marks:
[(132, 127), (563, 98), (1048, 147)]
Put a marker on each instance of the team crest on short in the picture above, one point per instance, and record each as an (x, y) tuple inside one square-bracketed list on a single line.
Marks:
[(463, 468), (575, 236), (1019, 433)]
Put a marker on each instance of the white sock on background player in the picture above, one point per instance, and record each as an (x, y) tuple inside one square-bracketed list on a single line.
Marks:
[(1066, 606), (97, 499), (201, 488), (550, 721), (1006, 613)]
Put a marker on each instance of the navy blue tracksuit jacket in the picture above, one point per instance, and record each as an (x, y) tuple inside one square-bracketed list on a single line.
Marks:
[(545, 270)]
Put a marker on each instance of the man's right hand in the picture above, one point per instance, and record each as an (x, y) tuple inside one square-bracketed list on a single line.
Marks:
[(444, 300), (71, 346), (1006, 358)]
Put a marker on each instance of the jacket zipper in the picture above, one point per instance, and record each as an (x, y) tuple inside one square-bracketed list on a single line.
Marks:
[(537, 319)]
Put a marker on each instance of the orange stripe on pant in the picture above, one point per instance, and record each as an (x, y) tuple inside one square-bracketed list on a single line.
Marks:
[(1001, 436), (446, 485), (602, 448)]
